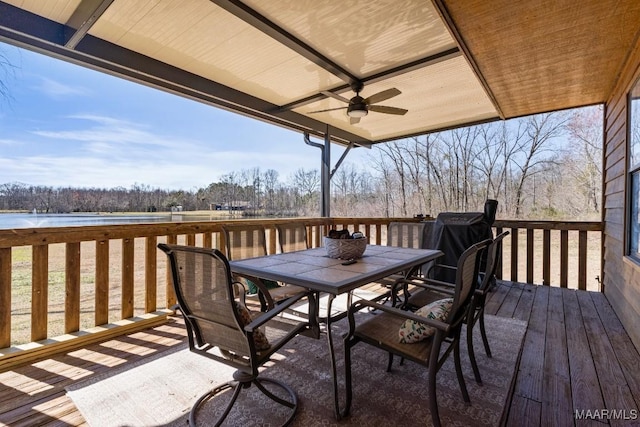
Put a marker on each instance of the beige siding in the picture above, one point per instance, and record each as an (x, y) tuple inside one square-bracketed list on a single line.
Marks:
[(621, 276)]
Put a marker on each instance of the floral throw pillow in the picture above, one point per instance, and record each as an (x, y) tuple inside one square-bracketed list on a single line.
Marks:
[(412, 332), (259, 338)]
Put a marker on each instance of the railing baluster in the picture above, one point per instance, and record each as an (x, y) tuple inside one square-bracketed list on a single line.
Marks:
[(564, 258), (530, 258), (546, 257), (5, 297), (39, 292), (126, 302), (499, 266), (171, 294), (72, 288), (207, 241), (102, 282), (514, 254), (271, 233), (582, 260), (217, 243), (151, 273)]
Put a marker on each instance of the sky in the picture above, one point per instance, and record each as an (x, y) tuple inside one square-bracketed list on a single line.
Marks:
[(66, 125)]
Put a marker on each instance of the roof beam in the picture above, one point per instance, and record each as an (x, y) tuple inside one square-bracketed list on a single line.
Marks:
[(253, 18), (16, 23), (83, 18), (29, 31)]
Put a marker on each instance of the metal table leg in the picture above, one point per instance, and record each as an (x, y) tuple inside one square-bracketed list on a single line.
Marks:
[(332, 356)]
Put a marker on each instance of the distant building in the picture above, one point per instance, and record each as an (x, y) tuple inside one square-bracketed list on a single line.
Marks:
[(234, 206)]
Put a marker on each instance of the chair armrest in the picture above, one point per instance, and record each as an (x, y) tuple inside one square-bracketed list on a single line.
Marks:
[(442, 266), (419, 281), (424, 283), (438, 283), (278, 309), (409, 315), (262, 288), (240, 289)]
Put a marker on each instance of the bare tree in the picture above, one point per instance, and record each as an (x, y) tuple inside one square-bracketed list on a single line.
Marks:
[(231, 189), (385, 191), (7, 72), (585, 134), (306, 184), (270, 179), (541, 130), (394, 152)]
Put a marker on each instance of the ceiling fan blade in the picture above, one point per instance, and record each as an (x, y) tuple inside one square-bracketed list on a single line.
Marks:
[(354, 120), (382, 96), (328, 109), (388, 110), (335, 96)]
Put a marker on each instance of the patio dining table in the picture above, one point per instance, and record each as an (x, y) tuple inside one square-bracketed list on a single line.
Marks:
[(314, 270)]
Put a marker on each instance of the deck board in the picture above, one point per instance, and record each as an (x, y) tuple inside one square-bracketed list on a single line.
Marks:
[(525, 303), (626, 353), (615, 388), (585, 390), (556, 382), (575, 355)]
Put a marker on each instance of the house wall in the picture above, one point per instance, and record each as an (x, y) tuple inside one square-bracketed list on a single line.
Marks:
[(621, 275)]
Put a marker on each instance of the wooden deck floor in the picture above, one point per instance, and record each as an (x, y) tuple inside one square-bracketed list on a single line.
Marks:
[(576, 356)]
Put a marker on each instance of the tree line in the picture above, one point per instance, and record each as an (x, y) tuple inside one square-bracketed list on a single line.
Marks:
[(547, 166)]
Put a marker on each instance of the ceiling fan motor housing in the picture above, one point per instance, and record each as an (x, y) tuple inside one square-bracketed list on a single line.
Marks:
[(357, 107)]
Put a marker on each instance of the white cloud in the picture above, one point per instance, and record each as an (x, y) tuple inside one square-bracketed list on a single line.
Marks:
[(160, 170), (108, 130), (57, 90), (105, 152)]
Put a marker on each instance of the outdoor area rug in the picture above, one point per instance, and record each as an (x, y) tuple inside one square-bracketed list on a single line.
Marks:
[(161, 391)]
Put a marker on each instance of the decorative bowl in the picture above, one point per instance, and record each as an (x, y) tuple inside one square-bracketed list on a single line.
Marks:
[(345, 248)]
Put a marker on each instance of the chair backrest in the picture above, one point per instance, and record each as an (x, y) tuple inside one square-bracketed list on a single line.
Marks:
[(493, 251), (204, 290), (292, 237), (245, 241), (466, 279), (405, 234)]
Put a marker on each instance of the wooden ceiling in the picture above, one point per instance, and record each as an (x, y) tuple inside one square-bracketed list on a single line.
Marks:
[(455, 63), (539, 56)]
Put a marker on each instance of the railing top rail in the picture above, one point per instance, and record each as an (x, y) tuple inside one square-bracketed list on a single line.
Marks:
[(52, 235), (551, 225)]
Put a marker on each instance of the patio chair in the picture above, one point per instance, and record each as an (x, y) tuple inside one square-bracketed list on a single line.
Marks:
[(484, 282), (249, 241), (425, 337), (405, 235), (292, 237), (220, 327)]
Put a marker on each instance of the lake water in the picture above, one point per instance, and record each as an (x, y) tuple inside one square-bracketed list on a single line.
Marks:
[(27, 220)]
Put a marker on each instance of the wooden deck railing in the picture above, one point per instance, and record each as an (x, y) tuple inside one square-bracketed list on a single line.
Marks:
[(565, 254), (62, 288)]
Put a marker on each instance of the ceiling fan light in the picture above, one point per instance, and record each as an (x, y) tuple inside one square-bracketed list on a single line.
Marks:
[(357, 113)]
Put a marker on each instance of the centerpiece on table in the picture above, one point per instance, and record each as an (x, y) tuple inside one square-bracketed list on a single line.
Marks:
[(343, 245)]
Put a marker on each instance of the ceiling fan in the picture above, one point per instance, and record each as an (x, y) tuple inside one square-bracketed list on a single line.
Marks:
[(359, 107)]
